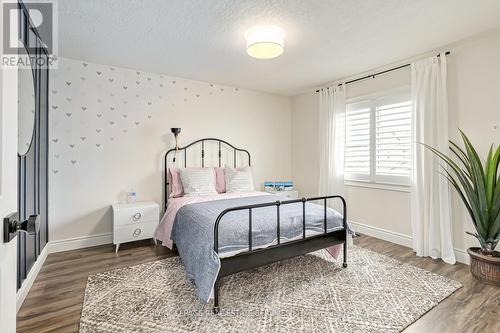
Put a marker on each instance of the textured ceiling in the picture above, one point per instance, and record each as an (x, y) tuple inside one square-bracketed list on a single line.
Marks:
[(325, 39)]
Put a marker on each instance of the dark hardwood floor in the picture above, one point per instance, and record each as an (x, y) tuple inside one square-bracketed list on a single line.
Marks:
[(473, 308), (54, 302)]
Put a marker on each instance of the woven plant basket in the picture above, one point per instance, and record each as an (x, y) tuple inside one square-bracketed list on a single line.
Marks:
[(485, 268)]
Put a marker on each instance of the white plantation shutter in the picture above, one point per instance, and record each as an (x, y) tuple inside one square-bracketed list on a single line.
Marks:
[(357, 150), (378, 139), (393, 139)]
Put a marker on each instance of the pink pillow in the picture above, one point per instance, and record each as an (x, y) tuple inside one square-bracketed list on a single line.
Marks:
[(174, 179), (220, 180), (177, 189)]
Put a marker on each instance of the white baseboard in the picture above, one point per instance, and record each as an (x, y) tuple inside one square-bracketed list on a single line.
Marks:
[(400, 239), (462, 256), (79, 242), (32, 274), (384, 234)]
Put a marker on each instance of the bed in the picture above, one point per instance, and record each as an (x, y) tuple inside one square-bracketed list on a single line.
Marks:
[(219, 235)]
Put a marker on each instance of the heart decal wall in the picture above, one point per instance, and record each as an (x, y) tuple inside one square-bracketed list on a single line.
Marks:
[(89, 103)]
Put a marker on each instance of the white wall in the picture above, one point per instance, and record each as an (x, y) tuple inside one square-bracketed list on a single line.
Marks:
[(305, 153), (119, 122), (473, 86)]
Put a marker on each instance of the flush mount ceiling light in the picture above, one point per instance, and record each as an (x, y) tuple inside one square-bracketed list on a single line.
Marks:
[(265, 42)]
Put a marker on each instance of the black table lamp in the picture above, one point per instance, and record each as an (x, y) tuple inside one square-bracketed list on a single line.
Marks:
[(175, 131)]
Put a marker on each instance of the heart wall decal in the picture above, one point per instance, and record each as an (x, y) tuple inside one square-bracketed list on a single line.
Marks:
[(97, 109)]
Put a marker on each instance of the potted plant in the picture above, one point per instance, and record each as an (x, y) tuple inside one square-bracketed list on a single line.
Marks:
[(479, 189)]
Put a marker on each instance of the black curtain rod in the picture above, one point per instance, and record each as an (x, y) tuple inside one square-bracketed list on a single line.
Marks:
[(372, 76)]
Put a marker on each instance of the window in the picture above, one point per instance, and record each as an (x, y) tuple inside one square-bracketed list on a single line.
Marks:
[(378, 139)]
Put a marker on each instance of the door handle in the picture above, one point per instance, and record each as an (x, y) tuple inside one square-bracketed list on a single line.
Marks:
[(11, 225)]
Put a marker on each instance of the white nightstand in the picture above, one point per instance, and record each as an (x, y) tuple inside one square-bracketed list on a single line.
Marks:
[(134, 221), (292, 194)]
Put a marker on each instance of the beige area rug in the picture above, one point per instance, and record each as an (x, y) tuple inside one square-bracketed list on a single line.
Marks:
[(310, 293)]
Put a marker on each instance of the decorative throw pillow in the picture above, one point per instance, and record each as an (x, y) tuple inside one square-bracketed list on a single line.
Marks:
[(198, 181), (220, 180), (174, 179), (238, 179)]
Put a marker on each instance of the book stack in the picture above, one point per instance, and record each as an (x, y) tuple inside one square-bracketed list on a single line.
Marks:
[(278, 186)]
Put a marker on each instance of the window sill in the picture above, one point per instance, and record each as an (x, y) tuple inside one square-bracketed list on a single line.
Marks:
[(379, 186)]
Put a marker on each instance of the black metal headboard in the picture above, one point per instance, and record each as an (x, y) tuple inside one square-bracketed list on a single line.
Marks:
[(173, 152)]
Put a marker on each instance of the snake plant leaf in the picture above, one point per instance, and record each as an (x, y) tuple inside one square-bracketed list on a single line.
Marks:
[(494, 182), (460, 192), (495, 207), (481, 240), (486, 175), (491, 173), (494, 231), (458, 171), (472, 234), (470, 203), (460, 154), (479, 181)]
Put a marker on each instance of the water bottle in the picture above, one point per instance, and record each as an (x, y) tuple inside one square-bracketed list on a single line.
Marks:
[(132, 196)]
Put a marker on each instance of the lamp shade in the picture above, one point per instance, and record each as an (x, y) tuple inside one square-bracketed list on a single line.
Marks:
[(265, 41)]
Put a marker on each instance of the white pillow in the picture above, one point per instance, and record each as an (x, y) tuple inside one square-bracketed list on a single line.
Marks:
[(198, 181), (238, 180)]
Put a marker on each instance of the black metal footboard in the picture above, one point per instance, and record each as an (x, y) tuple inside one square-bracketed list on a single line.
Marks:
[(263, 256)]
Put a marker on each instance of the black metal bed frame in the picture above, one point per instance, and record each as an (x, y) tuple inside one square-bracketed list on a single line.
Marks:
[(262, 256), (202, 142)]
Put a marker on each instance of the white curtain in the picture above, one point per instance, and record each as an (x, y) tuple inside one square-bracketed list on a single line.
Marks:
[(430, 196), (331, 140)]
